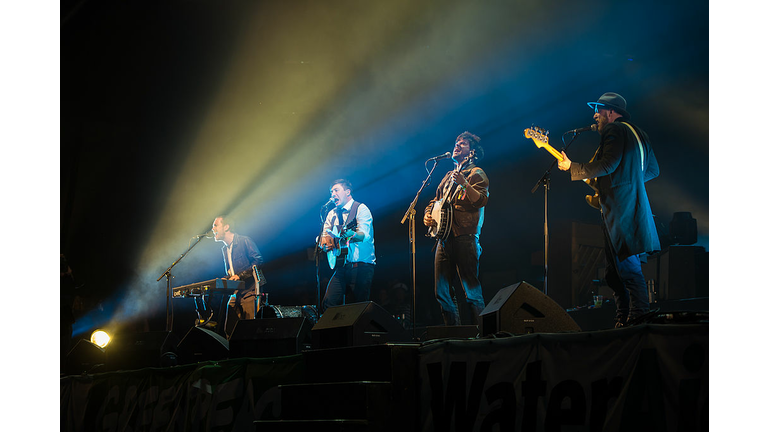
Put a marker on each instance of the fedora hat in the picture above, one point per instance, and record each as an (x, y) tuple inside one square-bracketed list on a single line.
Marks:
[(612, 101)]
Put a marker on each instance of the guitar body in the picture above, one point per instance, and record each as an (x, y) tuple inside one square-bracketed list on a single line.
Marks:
[(332, 255), (593, 200), (338, 254), (443, 215)]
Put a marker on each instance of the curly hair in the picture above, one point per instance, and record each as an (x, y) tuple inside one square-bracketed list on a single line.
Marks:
[(474, 144)]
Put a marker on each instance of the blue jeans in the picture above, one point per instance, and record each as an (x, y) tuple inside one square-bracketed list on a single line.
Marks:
[(357, 277), (458, 256)]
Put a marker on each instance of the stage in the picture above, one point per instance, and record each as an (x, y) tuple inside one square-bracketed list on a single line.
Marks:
[(172, 113)]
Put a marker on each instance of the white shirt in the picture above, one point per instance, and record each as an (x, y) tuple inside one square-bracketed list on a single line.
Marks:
[(230, 271), (362, 251)]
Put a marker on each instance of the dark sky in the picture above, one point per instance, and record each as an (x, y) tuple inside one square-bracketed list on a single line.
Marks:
[(279, 98)]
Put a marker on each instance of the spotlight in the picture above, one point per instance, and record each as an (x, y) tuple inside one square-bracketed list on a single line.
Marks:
[(100, 338)]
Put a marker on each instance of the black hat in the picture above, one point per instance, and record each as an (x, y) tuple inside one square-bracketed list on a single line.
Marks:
[(613, 101)]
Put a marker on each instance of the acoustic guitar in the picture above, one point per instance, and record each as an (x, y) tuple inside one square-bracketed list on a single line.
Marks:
[(339, 243), (540, 137)]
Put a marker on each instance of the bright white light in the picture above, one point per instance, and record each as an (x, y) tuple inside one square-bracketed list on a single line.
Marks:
[(100, 338)]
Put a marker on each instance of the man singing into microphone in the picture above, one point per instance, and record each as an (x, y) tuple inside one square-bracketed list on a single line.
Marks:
[(624, 161), (353, 223), (240, 256), (460, 251)]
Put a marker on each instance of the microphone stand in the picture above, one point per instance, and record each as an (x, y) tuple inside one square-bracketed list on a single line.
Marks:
[(323, 215), (410, 216), (545, 180), (168, 276)]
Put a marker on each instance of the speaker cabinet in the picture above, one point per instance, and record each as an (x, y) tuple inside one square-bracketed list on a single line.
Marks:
[(86, 357), (139, 350), (521, 308), (202, 344), (270, 337), (681, 273), (356, 324)]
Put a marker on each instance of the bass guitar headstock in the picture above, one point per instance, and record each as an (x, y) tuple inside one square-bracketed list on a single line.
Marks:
[(539, 136)]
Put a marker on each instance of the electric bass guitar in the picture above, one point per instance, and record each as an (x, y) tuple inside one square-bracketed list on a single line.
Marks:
[(540, 137), (339, 243), (442, 210)]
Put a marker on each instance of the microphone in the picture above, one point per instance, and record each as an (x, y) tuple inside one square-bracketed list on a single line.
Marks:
[(592, 127), (441, 157), (207, 234), (329, 204)]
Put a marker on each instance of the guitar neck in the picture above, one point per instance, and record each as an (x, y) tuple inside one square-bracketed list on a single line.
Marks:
[(553, 152)]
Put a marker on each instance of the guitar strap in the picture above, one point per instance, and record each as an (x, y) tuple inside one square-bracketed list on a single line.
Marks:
[(639, 145), (595, 155)]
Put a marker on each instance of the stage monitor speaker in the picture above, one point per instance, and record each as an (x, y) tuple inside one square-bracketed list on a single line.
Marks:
[(139, 350), (85, 357), (202, 344), (521, 308), (357, 324), (270, 337)]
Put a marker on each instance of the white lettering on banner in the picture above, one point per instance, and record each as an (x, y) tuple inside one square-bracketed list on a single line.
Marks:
[(198, 407), (647, 378), (466, 393)]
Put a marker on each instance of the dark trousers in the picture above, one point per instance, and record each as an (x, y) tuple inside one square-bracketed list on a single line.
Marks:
[(242, 306), (628, 284), (458, 256), (353, 277)]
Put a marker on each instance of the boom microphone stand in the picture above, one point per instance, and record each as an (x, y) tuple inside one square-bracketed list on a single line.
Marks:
[(168, 276), (410, 216), (545, 180), (323, 214)]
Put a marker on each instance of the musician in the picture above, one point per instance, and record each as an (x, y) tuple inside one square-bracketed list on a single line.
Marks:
[(459, 254), (353, 273), (624, 161), (240, 256)]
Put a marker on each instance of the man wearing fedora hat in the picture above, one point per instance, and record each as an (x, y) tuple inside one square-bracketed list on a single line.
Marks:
[(624, 161)]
